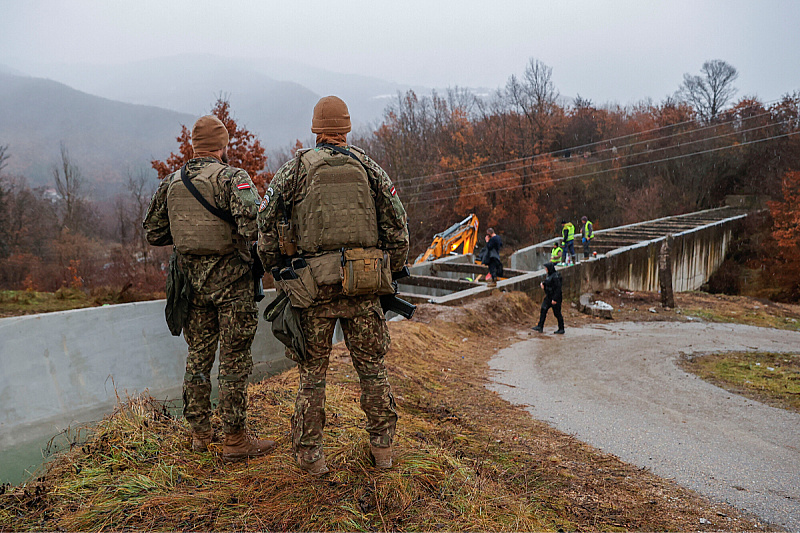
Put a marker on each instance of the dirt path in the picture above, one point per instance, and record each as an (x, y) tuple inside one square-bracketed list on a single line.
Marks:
[(618, 387)]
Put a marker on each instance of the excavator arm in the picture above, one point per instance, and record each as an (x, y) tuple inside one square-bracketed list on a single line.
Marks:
[(462, 234)]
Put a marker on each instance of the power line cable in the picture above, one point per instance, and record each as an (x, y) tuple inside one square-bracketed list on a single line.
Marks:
[(616, 158), (400, 182), (521, 186), (580, 146)]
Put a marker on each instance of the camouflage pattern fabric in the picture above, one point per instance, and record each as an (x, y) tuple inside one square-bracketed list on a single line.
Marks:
[(367, 337), (222, 308), (210, 272), (392, 228), (229, 317), (362, 320)]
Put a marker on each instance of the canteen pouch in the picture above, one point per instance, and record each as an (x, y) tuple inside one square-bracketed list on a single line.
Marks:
[(362, 270), (299, 284)]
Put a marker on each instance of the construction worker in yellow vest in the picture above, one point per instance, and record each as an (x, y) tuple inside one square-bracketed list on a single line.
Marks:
[(568, 240), (556, 253), (587, 234)]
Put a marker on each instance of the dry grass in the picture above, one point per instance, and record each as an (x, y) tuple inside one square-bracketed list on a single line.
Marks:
[(465, 459)]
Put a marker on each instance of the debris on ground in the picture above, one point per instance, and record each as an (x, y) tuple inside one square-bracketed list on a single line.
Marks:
[(598, 308)]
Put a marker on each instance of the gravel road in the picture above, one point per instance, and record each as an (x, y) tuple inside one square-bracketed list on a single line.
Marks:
[(618, 387)]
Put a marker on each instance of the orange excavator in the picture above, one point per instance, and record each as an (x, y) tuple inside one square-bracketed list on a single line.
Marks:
[(463, 234)]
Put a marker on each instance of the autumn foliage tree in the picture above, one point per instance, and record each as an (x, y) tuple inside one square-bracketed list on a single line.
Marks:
[(785, 227), (244, 149)]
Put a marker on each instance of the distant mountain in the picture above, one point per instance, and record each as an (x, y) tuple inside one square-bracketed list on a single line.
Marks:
[(272, 98), (105, 139)]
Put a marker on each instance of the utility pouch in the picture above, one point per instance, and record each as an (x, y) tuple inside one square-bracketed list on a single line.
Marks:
[(362, 270), (387, 287), (286, 327), (299, 284), (287, 239)]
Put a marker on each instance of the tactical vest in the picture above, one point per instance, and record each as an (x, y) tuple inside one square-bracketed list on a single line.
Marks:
[(570, 232), (588, 232), (335, 206), (194, 229)]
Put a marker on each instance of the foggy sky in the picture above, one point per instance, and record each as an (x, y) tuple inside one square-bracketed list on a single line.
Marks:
[(620, 51)]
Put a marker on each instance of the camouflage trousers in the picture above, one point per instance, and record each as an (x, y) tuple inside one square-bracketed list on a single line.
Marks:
[(228, 317), (367, 337)]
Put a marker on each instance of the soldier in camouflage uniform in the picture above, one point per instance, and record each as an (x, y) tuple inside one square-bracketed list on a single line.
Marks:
[(361, 317), (215, 256)]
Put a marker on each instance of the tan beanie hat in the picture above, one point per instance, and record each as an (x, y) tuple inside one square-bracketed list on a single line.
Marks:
[(330, 116), (209, 134)]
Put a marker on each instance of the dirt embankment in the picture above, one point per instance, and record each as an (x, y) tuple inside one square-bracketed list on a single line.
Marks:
[(465, 458)]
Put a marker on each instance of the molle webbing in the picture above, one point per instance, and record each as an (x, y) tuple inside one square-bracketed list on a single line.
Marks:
[(194, 229), (336, 207)]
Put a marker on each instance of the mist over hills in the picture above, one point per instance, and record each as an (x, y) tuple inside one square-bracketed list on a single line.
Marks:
[(272, 98), (105, 139), (115, 119)]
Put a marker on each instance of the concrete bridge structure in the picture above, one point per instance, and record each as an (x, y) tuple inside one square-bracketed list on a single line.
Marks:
[(67, 368)]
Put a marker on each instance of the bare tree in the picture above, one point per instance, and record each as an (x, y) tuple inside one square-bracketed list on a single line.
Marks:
[(709, 92), (535, 98), (141, 186), (69, 182), (3, 203), (4, 155)]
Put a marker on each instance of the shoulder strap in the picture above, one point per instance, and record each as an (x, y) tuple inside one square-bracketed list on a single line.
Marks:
[(214, 210), (346, 152)]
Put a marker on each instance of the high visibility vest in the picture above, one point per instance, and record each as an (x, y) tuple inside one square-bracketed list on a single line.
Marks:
[(588, 230), (571, 232), (555, 255)]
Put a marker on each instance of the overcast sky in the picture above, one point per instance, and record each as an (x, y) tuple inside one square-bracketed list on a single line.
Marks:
[(620, 51)]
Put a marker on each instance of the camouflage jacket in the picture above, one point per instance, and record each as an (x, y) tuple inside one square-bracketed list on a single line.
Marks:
[(392, 223), (209, 273)]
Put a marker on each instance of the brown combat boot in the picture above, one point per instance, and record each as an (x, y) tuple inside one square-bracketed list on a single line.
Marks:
[(317, 468), (382, 456), (201, 440), (240, 446)]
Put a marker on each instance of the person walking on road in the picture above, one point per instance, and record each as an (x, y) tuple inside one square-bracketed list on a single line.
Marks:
[(348, 228), (568, 240), (215, 256), (587, 234), (552, 299)]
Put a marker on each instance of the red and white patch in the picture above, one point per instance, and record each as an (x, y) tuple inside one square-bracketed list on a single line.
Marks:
[(393, 191), (243, 186)]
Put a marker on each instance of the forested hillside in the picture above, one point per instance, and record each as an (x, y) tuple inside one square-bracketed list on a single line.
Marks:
[(522, 159), (109, 139)]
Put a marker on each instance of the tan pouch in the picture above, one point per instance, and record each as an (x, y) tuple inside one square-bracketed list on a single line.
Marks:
[(302, 291), (362, 270), (386, 276), (327, 268)]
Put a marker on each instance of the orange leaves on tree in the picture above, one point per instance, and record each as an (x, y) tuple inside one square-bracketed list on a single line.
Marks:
[(785, 230), (244, 149)]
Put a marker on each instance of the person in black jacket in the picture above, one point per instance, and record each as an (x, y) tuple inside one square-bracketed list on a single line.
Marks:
[(491, 257), (552, 298)]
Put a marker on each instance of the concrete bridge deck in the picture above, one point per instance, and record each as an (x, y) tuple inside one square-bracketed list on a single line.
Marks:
[(627, 259)]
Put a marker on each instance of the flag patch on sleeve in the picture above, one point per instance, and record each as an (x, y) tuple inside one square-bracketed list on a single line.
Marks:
[(393, 191), (243, 186)]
